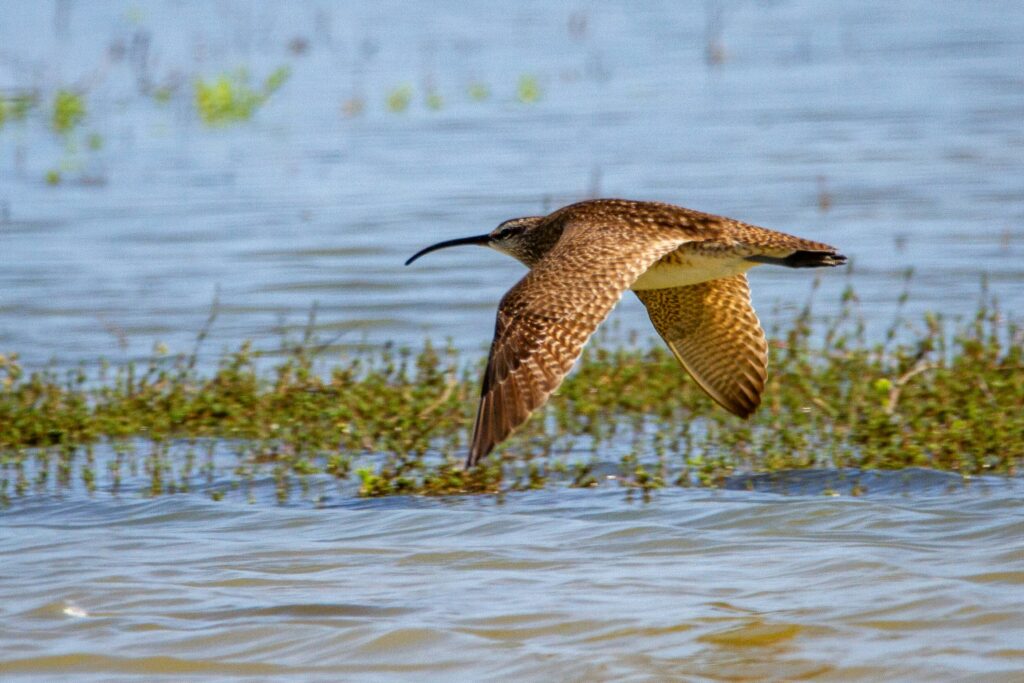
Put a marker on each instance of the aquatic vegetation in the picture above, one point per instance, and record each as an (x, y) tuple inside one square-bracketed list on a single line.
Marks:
[(934, 394), (399, 98), (478, 92), (229, 98), (63, 118), (68, 111), (434, 100), (275, 80), (15, 107), (528, 90)]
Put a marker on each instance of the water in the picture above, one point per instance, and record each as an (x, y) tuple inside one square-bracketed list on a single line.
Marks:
[(892, 130), (908, 118), (920, 581)]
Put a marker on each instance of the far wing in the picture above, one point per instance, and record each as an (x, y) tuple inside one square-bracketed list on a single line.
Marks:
[(714, 333)]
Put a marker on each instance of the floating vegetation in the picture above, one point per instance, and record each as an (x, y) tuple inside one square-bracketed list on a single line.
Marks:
[(68, 111), (434, 101), (229, 98), (528, 91), (399, 98), (63, 118), (15, 107), (478, 92), (275, 80), (397, 422)]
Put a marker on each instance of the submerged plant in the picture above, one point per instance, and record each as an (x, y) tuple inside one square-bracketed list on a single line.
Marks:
[(396, 421), (399, 98), (528, 91), (434, 100), (478, 91), (230, 98), (68, 111), (15, 107)]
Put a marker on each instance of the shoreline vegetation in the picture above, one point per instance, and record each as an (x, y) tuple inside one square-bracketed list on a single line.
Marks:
[(935, 393)]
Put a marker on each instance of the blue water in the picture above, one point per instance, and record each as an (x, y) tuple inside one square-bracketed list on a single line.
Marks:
[(906, 116), (892, 130)]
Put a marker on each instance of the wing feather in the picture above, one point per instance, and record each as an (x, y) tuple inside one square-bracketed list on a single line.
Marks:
[(715, 335), (546, 318)]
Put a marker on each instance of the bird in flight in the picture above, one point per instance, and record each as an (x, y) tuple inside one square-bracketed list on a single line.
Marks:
[(687, 267)]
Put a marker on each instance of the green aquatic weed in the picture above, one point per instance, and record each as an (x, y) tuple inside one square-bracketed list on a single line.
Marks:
[(434, 100), (399, 98), (68, 111), (396, 421), (15, 107), (229, 98), (275, 80), (528, 90), (478, 92)]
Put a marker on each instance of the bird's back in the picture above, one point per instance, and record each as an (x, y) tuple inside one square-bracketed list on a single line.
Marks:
[(711, 247), (636, 218)]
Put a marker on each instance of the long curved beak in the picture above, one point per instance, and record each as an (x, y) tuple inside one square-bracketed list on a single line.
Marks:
[(481, 240)]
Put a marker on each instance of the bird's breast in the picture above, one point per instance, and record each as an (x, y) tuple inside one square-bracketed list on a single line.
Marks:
[(679, 269)]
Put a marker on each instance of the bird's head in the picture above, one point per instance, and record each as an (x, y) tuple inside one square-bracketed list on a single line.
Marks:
[(513, 237)]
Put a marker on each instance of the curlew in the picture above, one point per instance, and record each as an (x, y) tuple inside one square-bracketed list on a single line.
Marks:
[(687, 267)]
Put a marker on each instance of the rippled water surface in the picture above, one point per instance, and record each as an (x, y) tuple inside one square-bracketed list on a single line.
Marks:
[(919, 580), (903, 118), (893, 130)]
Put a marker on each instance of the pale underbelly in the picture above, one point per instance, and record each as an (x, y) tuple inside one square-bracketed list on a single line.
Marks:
[(691, 270)]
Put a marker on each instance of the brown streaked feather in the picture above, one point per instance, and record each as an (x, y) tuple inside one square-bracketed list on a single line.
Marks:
[(715, 335), (546, 318), (705, 231)]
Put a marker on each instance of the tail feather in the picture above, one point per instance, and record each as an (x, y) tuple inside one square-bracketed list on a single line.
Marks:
[(802, 258)]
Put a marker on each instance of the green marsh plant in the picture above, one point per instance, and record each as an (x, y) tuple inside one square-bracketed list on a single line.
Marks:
[(937, 394), (231, 98)]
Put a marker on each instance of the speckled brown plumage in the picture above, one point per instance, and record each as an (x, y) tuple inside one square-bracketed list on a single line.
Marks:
[(715, 335), (544, 321), (686, 266)]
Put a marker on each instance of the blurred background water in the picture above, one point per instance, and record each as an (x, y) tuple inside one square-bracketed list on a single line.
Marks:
[(892, 130)]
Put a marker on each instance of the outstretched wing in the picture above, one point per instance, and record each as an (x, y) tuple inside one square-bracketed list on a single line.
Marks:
[(714, 333), (546, 318)]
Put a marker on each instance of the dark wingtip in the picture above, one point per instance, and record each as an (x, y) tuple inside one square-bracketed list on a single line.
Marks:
[(746, 411), (803, 259), (477, 452), (836, 260)]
